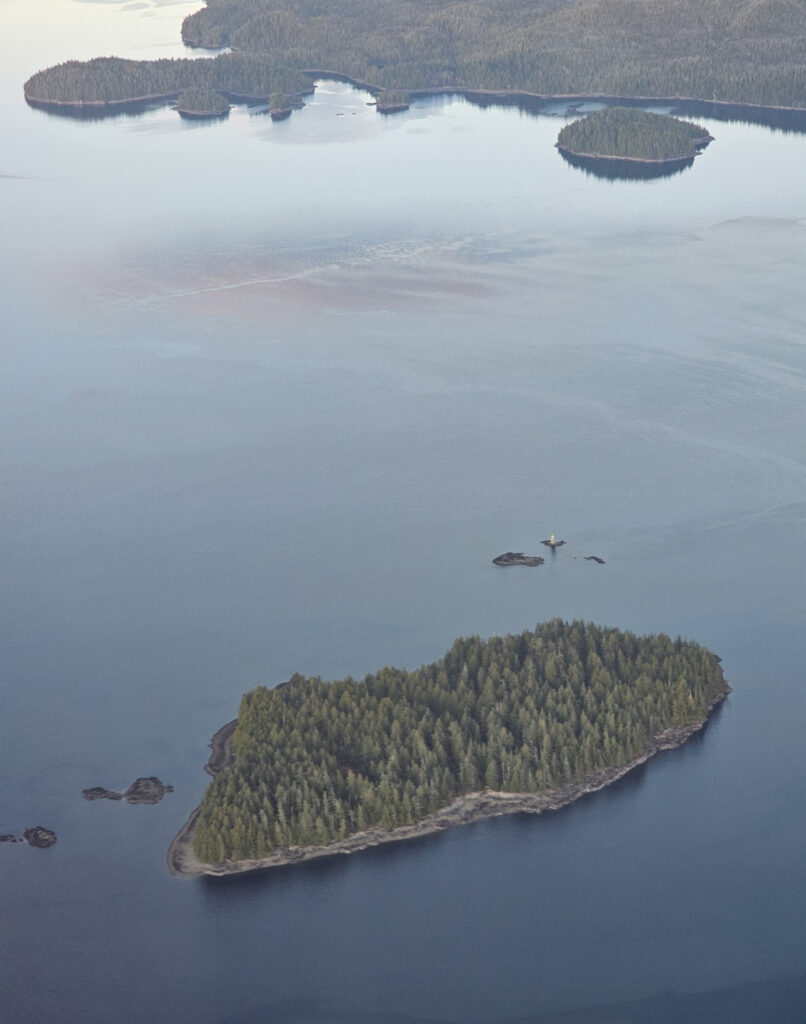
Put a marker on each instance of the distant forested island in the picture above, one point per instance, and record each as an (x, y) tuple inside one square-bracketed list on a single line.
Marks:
[(391, 101), (525, 722), (729, 51), (201, 103), (624, 133)]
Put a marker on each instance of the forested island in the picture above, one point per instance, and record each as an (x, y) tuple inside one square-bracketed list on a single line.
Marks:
[(391, 101), (526, 722), (624, 133), (201, 103), (721, 51)]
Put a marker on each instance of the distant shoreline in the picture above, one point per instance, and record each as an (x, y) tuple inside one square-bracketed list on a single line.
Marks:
[(509, 95), (183, 863)]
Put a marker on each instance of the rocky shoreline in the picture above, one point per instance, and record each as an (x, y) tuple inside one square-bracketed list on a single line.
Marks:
[(182, 861), (665, 161)]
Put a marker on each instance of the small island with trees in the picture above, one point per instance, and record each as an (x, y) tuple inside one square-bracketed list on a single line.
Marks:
[(392, 101), (625, 133), (519, 723), (199, 103)]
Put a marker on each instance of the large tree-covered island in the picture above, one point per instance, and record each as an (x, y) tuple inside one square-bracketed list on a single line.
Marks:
[(521, 723), (721, 51), (627, 143), (623, 133)]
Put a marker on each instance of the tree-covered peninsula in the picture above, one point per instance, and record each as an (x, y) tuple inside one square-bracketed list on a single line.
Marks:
[(625, 133), (113, 80), (734, 51), (516, 723)]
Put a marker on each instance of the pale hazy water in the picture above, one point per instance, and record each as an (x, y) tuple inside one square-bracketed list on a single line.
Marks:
[(272, 398)]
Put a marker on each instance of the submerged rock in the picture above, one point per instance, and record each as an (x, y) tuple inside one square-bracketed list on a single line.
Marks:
[(594, 558), (39, 837), (7, 837), (517, 558)]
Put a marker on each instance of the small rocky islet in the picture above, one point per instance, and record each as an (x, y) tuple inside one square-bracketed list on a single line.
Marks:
[(517, 558), (38, 836), (146, 790)]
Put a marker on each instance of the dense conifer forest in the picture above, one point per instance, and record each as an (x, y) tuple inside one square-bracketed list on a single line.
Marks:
[(115, 80), (633, 135), (738, 51), (317, 761)]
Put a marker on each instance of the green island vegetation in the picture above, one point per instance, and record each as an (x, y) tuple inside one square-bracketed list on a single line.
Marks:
[(316, 761), (279, 103), (629, 134), (201, 103), (392, 100), (734, 51), (106, 80)]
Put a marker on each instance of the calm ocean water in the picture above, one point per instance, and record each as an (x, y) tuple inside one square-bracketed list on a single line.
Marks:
[(273, 396)]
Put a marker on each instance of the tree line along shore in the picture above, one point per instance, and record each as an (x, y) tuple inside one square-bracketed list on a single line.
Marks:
[(558, 710), (729, 51)]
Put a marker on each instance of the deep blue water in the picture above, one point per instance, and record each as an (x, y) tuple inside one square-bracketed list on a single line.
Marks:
[(273, 397)]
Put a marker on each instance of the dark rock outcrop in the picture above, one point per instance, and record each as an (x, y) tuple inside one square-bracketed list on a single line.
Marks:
[(142, 791), (517, 558), (39, 837), (99, 793), (147, 791)]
